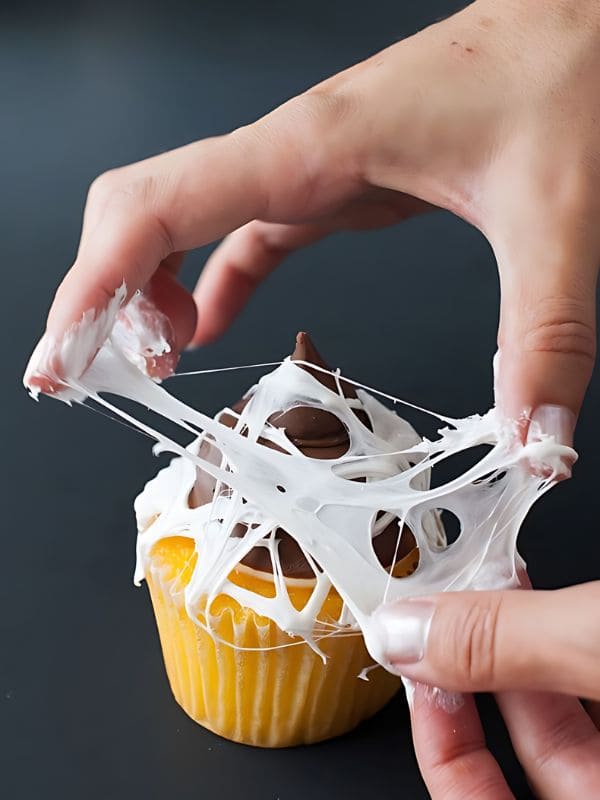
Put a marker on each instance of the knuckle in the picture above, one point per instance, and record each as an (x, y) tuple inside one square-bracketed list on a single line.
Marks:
[(558, 325), (142, 190), (309, 123), (122, 185), (268, 238), (142, 194), (323, 108), (460, 766), (474, 639), (306, 140), (102, 187), (304, 154), (561, 734)]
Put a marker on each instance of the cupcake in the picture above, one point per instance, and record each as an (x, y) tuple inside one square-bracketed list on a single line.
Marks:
[(231, 666)]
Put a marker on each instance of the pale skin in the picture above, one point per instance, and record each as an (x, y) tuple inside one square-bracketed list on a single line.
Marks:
[(493, 114)]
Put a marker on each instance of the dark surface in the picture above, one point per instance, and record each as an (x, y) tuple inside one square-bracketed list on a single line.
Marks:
[(85, 711)]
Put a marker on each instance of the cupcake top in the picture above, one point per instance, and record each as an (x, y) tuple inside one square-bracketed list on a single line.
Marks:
[(306, 479), (319, 434), (267, 479)]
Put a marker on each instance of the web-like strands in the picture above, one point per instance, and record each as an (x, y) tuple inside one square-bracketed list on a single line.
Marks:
[(320, 502)]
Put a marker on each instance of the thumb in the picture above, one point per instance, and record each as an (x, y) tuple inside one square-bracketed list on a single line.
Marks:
[(547, 331), (494, 641)]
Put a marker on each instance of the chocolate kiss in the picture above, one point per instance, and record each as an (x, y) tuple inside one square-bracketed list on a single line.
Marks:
[(318, 433), (314, 431)]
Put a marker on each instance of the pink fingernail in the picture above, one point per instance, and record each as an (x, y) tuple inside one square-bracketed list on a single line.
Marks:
[(551, 420), (40, 371), (402, 629)]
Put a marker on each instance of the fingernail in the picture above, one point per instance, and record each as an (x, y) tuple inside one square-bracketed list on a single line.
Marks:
[(496, 373), (410, 687), (39, 373), (34, 362), (402, 629), (556, 421), (450, 702)]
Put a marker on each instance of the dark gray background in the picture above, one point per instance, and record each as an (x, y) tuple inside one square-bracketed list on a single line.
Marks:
[(85, 711)]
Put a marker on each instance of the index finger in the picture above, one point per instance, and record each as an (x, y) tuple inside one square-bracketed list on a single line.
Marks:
[(138, 216)]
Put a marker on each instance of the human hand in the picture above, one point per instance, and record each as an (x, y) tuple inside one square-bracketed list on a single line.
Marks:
[(537, 651), (492, 114)]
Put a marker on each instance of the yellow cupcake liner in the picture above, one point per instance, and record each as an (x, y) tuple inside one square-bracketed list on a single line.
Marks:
[(264, 697)]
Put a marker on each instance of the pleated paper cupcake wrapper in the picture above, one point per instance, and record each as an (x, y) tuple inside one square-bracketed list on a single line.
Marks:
[(265, 697)]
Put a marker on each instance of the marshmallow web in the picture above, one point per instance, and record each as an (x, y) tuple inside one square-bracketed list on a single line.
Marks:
[(321, 504)]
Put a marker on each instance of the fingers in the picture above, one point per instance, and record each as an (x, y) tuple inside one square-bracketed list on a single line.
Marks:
[(450, 748), (169, 297), (281, 166), (298, 164), (146, 213), (238, 265), (138, 217), (548, 251), (250, 254), (556, 742), (546, 353), (493, 641), (152, 332)]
